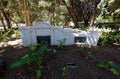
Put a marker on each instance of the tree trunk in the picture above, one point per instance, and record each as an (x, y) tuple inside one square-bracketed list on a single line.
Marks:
[(3, 25), (71, 14), (26, 14), (26, 17), (7, 20), (1, 19), (93, 18), (86, 22), (6, 15)]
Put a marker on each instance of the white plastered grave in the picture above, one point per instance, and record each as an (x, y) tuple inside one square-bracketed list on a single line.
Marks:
[(44, 31)]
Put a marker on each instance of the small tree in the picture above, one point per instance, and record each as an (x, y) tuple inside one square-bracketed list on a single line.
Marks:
[(82, 10), (5, 13)]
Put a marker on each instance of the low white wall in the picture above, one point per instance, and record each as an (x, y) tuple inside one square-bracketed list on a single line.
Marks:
[(93, 37), (29, 34)]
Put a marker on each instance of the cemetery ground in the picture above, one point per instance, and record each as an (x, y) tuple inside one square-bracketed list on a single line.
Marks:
[(69, 62)]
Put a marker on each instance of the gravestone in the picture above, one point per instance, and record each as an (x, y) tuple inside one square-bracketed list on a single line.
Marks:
[(54, 34)]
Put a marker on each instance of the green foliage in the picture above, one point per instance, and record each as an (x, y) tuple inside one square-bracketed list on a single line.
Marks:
[(63, 71), (89, 55), (5, 36), (109, 11), (29, 58), (42, 44), (59, 12), (104, 9), (104, 38), (82, 48), (38, 73), (118, 49), (62, 43), (109, 65), (17, 33), (25, 59), (36, 56), (116, 14), (51, 50), (7, 48), (114, 71), (108, 38), (19, 19), (32, 48)]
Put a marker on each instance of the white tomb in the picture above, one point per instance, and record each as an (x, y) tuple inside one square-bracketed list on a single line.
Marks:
[(53, 34)]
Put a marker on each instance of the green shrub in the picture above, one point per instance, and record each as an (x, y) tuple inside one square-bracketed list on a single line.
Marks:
[(110, 66), (108, 38), (9, 47), (17, 33), (36, 56), (89, 55), (63, 71), (5, 36), (62, 43), (118, 49)]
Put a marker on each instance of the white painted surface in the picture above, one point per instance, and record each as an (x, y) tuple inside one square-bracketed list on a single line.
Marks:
[(29, 34), (58, 35), (93, 37), (41, 25), (23, 36), (33, 37), (43, 32)]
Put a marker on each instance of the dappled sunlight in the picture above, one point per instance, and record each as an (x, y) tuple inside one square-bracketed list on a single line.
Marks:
[(12, 43), (82, 38)]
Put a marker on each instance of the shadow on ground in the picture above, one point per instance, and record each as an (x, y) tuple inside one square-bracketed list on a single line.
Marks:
[(86, 61)]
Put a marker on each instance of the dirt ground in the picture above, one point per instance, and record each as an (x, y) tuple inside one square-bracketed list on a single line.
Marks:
[(84, 63)]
